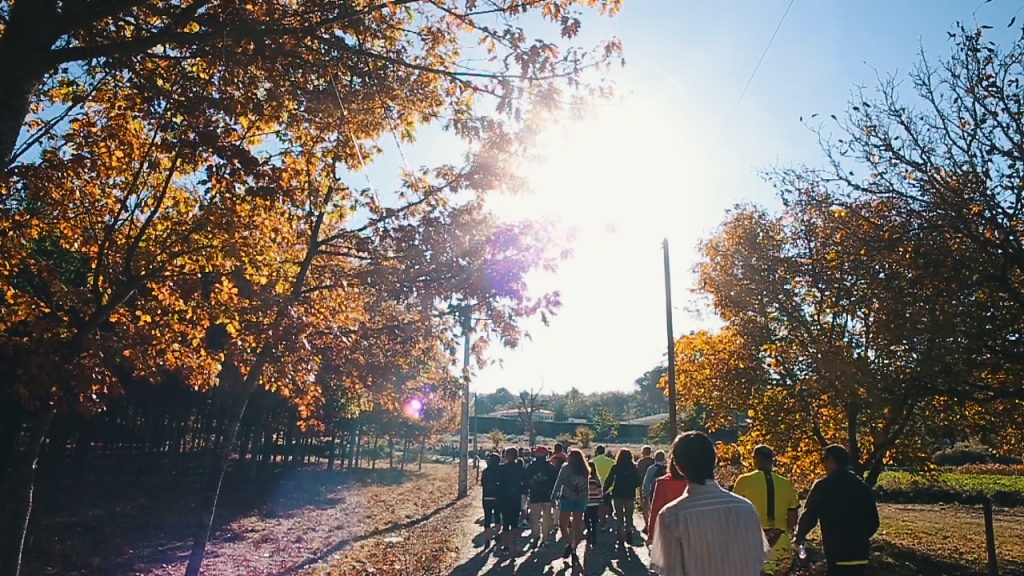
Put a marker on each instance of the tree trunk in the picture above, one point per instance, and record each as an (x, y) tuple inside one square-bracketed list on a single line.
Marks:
[(11, 423), (423, 449), (19, 492), (405, 451), (218, 464), (29, 34), (330, 452), (391, 452), (373, 455)]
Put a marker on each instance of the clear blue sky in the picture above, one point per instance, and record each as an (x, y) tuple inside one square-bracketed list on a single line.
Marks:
[(644, 165)]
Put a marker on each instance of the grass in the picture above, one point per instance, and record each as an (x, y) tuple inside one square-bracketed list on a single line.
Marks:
[(966, 483), (945, 539)]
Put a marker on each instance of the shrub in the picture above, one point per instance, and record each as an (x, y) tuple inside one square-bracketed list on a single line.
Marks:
[(962, 454), (566, 439), (497, 438), (585, 436)]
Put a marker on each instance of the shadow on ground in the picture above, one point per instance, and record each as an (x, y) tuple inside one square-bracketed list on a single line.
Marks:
[(119, 519)]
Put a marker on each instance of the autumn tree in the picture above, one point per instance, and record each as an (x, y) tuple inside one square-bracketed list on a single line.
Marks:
[(175, 179)]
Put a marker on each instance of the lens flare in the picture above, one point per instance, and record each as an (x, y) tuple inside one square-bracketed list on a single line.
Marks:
[(413, 408)]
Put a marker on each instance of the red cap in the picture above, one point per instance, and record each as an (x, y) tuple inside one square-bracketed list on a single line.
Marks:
[(540, 451)]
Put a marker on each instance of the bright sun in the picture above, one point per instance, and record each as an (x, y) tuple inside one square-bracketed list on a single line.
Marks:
[(618, 172)]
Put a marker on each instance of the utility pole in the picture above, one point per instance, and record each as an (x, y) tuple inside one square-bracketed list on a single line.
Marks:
[(467, 326), (673, 424)]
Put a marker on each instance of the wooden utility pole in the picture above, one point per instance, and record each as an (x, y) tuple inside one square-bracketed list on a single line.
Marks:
[(467, 325), (673, 424)]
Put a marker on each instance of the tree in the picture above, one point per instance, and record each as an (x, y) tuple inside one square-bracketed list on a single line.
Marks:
[(215, 231), (605, 425), (529, 403), (584, 436), (650, 397)]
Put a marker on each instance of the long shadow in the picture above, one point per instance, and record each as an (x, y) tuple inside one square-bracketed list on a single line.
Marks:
[(121, 519), (337, 546), (891, 560)]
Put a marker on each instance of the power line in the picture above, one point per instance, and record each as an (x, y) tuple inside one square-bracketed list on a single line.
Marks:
[(750, 80)]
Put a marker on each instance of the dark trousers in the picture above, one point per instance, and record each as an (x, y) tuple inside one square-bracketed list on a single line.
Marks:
[(590, 519), (856, 570)]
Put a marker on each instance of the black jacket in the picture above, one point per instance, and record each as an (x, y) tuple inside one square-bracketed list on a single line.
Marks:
[(623, 482), (490, 479), (849, 517), (540, 480)]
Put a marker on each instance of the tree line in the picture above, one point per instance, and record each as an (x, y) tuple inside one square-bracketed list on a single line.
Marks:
[(194, 266), (881, 308)]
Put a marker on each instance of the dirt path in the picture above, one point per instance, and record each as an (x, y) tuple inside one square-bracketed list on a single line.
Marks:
[(474, 560)]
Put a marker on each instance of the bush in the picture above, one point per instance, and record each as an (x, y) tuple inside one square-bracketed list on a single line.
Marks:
[(962, 454), (566, 439), (585, 436)]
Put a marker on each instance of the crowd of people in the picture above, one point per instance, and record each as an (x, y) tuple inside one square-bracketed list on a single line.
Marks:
[(692, 525)]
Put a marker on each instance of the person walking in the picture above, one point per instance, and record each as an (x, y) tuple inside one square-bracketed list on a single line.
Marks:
[(490, 483), (668, 484), (594, 502), (559, 457), (776, 502), (642, 465), (572, 491), (848, 514), (708, 530), (512, 476), (604, 464), (622, 484), (540, 480)]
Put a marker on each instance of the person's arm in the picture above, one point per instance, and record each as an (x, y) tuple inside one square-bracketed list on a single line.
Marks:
[(666, 549), (812, 512), (648, 484), (791, 510), (609, 480), (558, 483)]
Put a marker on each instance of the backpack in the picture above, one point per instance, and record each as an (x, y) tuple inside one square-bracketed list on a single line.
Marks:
[(660, 469), (576, 488), (513, 481), (491, 482)]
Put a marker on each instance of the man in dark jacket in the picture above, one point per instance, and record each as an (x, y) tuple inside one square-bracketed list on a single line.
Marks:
[(540, 480), (846, 509), (512, 479)]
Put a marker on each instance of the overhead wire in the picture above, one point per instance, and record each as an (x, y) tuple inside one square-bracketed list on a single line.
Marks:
[(750, 80)]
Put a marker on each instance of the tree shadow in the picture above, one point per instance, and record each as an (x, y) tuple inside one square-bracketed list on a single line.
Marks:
[(337, 546), (112, 519)]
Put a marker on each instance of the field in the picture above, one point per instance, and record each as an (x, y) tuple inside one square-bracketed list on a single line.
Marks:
[(960, 482)]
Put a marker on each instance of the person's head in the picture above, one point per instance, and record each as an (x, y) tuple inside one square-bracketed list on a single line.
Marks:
[(599, 450), (578, 463), (694, 454), (540, 453), (559, 448), (646, 451), (835, 457), (764, 458), (624, 458), (511, 454), (674, 470), (493, 459), (659, 456)]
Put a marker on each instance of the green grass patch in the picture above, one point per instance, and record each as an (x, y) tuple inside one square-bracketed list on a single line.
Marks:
[(965, 483)]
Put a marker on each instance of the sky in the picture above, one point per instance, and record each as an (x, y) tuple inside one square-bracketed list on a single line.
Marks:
[(646, 168)]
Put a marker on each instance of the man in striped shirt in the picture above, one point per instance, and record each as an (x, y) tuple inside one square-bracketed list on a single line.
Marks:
[(708, 531)]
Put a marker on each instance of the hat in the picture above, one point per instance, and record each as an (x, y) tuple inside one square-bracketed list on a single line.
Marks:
[(540, 451)]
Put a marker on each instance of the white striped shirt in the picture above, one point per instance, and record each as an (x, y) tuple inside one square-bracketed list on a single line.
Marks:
[(708, 532)]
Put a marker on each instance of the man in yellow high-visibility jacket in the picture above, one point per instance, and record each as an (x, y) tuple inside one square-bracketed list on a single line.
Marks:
[(777, 504)]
